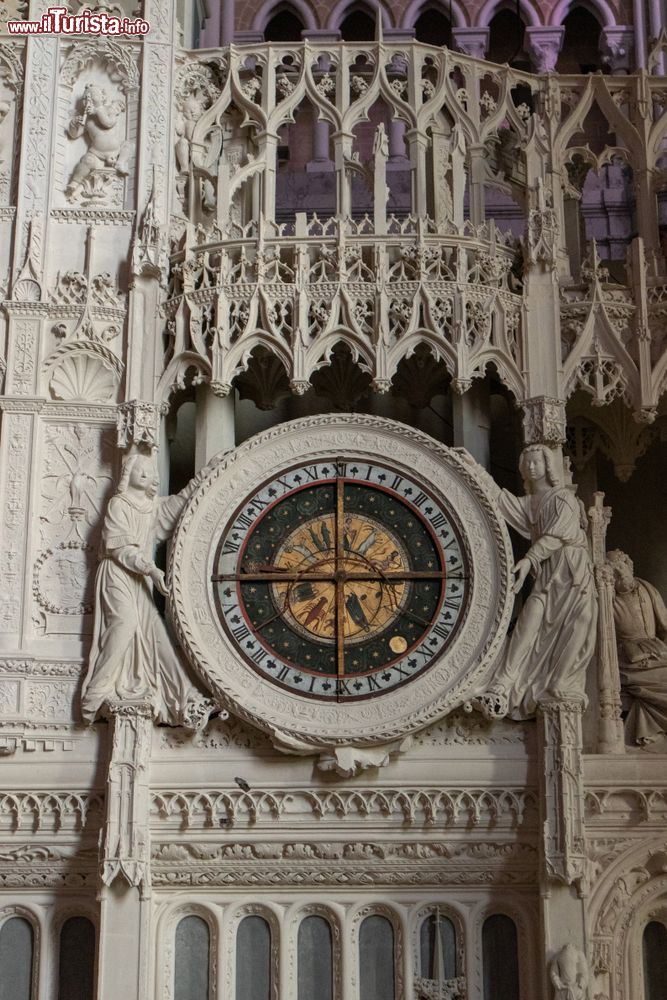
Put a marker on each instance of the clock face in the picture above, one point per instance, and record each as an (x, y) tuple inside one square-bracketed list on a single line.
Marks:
[(341, 580)]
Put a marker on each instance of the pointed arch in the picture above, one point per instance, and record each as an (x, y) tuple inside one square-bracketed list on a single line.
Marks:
[(270, 8), (459, 14)]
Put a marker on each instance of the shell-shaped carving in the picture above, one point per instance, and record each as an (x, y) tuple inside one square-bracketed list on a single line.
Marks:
[(84, 376)]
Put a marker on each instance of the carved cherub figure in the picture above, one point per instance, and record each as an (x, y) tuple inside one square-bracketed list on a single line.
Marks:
[(132, 657), (640, 617), (569, 974), (101, 125), (189, 110)]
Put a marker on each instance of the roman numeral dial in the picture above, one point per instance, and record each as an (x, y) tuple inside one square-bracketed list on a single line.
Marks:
[(341, 580)]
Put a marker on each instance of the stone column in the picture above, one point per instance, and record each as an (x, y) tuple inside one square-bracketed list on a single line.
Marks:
[(226, 22), (215, 430), (321, 161), (472, 421), (125, 857), (562, 848), (610, 736), (397, 156), (418, 144), (544, 410), (472, 41), (543, 45), (210, 36)]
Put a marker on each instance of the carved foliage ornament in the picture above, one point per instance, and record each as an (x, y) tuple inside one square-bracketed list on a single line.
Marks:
[(333, 599)]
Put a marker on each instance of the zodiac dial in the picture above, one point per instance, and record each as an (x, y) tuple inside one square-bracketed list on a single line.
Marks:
[(341, 580)]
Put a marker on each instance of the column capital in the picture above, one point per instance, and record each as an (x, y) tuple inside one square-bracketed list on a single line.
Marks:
[(543, 44), (472, 41), (617, 47)]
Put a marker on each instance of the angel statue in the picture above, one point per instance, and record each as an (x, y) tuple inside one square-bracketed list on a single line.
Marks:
[(132, 657), (548, 653)]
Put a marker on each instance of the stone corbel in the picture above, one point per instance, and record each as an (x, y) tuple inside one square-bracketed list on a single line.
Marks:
[(543, 45), (126, 841), (138, 423), (562, 790), (543, 421)]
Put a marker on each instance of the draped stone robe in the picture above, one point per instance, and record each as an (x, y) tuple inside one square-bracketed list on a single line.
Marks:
[(132, 656), (640, 617), (553, 641)]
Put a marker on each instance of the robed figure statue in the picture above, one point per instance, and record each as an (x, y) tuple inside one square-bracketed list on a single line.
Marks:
[(547, 655), (132, 657), (640, 618)]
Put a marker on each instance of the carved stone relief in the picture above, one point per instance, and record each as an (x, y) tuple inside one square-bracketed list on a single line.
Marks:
[(11, 86), (97, 96), (17, 435), (77, 476)]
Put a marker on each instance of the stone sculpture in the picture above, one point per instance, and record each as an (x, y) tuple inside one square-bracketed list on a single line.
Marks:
[(640, 618), (569, 974), (552, 644), (101, 125), (132, 657)]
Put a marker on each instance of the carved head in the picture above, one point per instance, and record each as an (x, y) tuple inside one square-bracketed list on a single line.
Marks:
[(94, 96), (535, 462), (139, 473), (623, 569)]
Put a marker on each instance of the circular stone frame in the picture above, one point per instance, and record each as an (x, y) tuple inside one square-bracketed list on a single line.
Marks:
[(304, 724)]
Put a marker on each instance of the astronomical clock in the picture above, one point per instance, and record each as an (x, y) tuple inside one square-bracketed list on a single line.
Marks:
[(341, 581)]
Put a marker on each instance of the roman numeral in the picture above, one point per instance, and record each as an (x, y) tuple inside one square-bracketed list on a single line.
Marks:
[(439, 521), (441, 630), (396, 482), (420, 499), (311, 473), (241, 632), (454, 603), (258, 504), (283, 673), (259, 655), (425, 651), (229, 547), (244, 521)]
